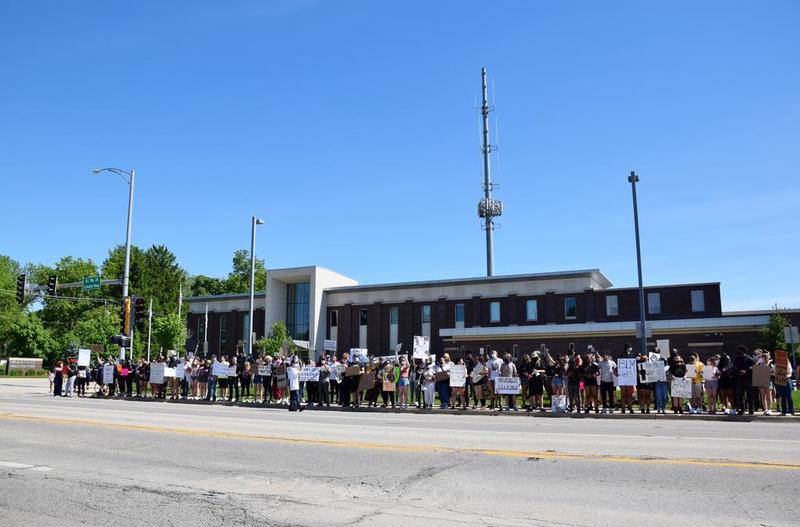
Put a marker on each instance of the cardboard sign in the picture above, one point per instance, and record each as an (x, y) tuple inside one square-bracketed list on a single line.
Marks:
[(108, 374), (265, 371), (84, 356), (309, 374), (97, 349), (388, 385), (682, 388), (653, 372), (663, 348), (422, 347), (627, 371), (280, 377), (478, 373), (781, 367), (329, 345), (507, 386), (761, 374), (232, 371), (366, 382), (340, 369), (458, 376), (352, 371), (157, 372), (558, 403)]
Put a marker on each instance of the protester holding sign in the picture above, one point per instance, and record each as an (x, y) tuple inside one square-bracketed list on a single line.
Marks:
[(643, 387), (591, 373), (493, 366), (403, 382), (743, 369), (458, 385), (508, 370), (442, 371), (536, 383), (607, 389), (323, 384), (765, 392), (428, 384), (710, 383), (293, 379), (677, 370), (783, 382)]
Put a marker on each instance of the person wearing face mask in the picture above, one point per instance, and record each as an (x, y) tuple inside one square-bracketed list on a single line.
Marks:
[(443, 384), (428, 384), (493, 365), (508, 369)]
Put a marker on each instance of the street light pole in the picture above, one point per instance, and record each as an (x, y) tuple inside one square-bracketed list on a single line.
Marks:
[(126, 271), (633, 179), (254, 221)]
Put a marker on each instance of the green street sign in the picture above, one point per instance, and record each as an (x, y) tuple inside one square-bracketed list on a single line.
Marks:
[(91, 283)]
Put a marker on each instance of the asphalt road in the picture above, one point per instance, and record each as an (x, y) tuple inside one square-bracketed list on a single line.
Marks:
[(113, 462)]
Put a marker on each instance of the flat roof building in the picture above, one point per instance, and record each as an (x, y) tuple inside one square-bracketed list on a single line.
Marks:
[(514, 313)]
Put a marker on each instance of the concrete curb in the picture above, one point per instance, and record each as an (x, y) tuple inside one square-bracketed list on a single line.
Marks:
[(488, 413)]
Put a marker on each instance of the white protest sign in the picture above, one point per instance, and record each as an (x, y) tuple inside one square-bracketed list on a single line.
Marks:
[(398, 348), (309, 374), (690, 371), (357, 353), (458, 376), (265, 371), (334, 371), (232, 371), (108, 374), (682, 388), (340, 369), (84, 356), (329, 345), (180, 371), (627, 371), (477, 373), (507, 385), (169, 373), (393, 359), (219, 369), (422, 347), (559, 403), (652, 357), (157, 373), (653, 372)]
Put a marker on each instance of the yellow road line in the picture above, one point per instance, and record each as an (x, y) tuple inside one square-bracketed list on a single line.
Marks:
[(545, 454)]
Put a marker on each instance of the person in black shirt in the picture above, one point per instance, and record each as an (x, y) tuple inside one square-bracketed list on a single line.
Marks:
[(743, 372)]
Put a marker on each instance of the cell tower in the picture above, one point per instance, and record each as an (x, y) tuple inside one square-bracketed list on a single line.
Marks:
[(488, 207)]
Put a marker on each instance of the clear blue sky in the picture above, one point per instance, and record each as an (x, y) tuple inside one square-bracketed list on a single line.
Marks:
[(350, 128)]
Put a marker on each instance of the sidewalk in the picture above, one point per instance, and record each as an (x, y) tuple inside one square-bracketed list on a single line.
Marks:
[(484, 412)]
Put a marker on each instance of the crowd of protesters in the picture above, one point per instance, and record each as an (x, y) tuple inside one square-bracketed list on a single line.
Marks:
[(587, 382)]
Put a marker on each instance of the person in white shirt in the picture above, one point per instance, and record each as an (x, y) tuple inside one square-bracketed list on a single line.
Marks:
[(493, 365), (607, 389), (710, 382), (293, 380)]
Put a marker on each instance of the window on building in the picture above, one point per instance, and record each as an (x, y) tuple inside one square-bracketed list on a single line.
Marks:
[(223, 332), (393, 315), (654, 303), (362, 317), (297, 310), (515, 351), (494, 311), (201, 329), (459, 313), (246, 329), (334, 319), (426, 314), (532, 310), (698, 301), (570, 308), (612, 306)]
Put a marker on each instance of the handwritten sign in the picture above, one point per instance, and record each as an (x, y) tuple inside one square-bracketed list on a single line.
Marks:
[(653, 372), (422, 347), (627, 371), (458, 376), (309, 374), (180, 371), (559, 403), (682, 388), (478, 373), (280, 377), (108, 374), (84, 356), (219, 369), (507, 386), (157, 373), (329, 345), (781, 367), (265, 371)]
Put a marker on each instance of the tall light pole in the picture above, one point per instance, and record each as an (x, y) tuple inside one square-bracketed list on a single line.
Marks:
[(125, 273), (254, 221), (633, 179)]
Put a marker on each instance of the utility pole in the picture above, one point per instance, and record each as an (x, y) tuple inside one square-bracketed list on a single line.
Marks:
[(205, 334), (488, 208), (254, 221), (633, 179), (149, 326)]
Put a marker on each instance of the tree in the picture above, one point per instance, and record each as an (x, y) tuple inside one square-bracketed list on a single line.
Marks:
[(9, 309), (202, 285), (238, 280), (96, 326), (772, 337), (28, 337), (169, 332), (278, 336), (114, 265), (161, 279)]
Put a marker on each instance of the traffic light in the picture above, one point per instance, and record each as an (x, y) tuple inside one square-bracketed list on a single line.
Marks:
[(121, 340), (126, 317), (21, 289), (139, 309), (52, 285)]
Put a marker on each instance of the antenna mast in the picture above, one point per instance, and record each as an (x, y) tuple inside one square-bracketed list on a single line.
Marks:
[(488, 207)]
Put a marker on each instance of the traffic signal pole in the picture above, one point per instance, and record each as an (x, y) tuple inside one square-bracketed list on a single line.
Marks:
[(126, 270)]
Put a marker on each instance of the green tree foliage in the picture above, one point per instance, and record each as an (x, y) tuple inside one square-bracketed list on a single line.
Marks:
[(238, 280), (169, 332), (96, 326), (272, 344), (10, 311), (28, 337), (772, 337), (202, 285)]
